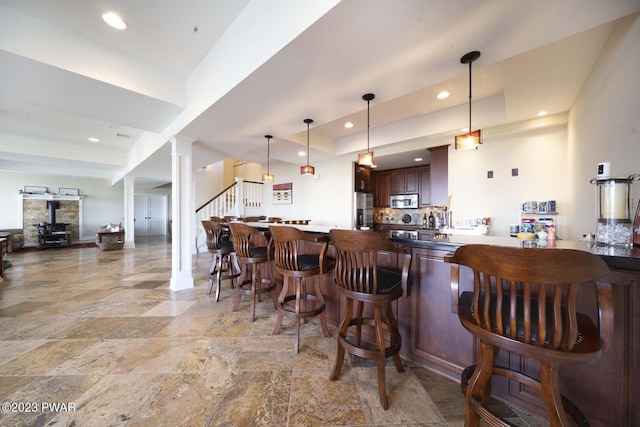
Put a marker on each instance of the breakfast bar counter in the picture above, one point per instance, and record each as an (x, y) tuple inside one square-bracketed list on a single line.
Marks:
[(607, 391)]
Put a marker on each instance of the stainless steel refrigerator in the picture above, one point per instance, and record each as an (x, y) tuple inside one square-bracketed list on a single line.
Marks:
[(363, 210)]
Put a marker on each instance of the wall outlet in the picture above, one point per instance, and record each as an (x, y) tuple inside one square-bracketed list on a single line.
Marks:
[(514, 172)]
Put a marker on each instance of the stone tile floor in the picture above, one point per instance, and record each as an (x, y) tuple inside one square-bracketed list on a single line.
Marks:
[(98, 339)]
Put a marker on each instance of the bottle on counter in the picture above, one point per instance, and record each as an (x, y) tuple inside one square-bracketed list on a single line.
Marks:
[(425, 221), (432, 220)]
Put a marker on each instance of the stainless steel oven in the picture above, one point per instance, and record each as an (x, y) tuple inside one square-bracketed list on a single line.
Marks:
[(404, 201)]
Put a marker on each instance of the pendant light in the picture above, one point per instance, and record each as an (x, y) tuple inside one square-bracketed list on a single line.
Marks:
[(471, 139), (367, 159), (307, 169), (267, 177)]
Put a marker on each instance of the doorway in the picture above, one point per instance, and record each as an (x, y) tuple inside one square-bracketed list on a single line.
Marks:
[(150, 215)]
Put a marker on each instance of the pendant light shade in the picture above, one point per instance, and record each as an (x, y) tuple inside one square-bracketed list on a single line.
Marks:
[(307, 169), (267, 177), (367, 159), (471, 139)]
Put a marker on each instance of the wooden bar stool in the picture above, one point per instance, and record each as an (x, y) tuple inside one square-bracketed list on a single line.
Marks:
[(296, 264), (362, 281), (524, 301), (250, 258), (223, 264)]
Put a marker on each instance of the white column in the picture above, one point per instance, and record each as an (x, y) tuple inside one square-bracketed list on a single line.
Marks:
[(182, 214), (129, 201)]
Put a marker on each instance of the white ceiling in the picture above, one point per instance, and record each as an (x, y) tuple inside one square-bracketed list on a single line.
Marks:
[(66, 77)]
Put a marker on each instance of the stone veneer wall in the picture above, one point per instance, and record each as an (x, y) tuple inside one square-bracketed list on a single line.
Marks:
[(35, 211)]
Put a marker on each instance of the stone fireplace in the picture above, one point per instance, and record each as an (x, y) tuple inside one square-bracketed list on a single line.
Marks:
[(35, 211)]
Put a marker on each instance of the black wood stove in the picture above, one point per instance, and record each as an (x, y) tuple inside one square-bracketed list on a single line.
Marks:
[(52, 233)]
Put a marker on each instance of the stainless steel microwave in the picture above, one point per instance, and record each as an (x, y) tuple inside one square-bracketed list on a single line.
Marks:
[(404, 201)]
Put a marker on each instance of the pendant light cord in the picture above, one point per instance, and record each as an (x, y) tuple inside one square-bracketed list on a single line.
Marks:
[(368, 101), (308, 142), (470, 62)]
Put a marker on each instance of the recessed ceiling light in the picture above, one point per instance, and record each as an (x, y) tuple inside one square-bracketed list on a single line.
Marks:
[(92, 139), (114, 20), (442, 95), (302, 153), (417, 159), (542, 113), (348, 125)]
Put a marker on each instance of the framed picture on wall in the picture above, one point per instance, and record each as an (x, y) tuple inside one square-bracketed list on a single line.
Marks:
[(33, 189), (68, 191), (283, 194)]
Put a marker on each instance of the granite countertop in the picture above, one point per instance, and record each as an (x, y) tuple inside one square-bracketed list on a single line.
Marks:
[(628, 258)]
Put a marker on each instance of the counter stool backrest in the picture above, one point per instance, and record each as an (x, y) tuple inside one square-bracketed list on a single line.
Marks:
[(241, 235), (532, 292), (524, 300), (217, 236), (357, 260)]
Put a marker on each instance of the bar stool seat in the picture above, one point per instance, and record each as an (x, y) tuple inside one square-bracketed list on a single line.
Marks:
[(301, 300), (524, 301), (224, 264), (252, 281), (361, 281)]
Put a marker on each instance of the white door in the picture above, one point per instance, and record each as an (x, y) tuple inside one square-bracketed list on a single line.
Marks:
[(150, 213)]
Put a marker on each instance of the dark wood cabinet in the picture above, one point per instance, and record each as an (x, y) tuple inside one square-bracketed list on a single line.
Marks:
[(431, 182), (439, 175), (424, 186), (380, 184), (362, 181), (404, 181)]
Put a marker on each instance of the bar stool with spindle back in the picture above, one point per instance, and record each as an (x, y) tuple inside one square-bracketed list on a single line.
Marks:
[(524, 301), (251, 257), (224, 264), (297, 264), (362, 281)]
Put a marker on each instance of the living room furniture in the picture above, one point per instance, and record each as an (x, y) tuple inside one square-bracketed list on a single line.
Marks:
[(110, 238), (15, 238)]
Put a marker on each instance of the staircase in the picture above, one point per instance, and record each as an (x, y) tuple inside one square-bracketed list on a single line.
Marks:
[(242, 198)]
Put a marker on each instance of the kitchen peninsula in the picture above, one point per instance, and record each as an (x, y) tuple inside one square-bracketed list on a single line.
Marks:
[(432, 336)]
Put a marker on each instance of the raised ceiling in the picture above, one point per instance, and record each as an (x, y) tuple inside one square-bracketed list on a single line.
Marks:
[(67, 77)]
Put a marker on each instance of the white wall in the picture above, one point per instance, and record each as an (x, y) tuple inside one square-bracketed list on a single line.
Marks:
[(103, 203), (325, 198), (604, 123), (540, 157)]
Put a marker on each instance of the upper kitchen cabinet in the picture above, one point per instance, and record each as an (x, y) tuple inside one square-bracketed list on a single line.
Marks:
[(405, 181), (380, 183), (362, 179), (424, 178), (439, 175)]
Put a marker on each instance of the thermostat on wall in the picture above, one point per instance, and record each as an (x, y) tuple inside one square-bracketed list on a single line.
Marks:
[(604, 170)]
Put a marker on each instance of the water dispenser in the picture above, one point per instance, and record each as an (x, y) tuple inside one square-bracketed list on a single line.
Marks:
[(614, 221)]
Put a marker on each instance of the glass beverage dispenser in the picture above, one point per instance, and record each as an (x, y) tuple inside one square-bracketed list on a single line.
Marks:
[(614, 223)]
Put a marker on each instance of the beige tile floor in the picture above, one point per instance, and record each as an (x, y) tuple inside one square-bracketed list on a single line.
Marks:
[(101, 336)]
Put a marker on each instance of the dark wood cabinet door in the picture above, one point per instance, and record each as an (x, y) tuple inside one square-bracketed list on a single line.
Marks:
[(439, 175), (380, 182), (397, 182), (424, 189), (362, 179), (411, 181)]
